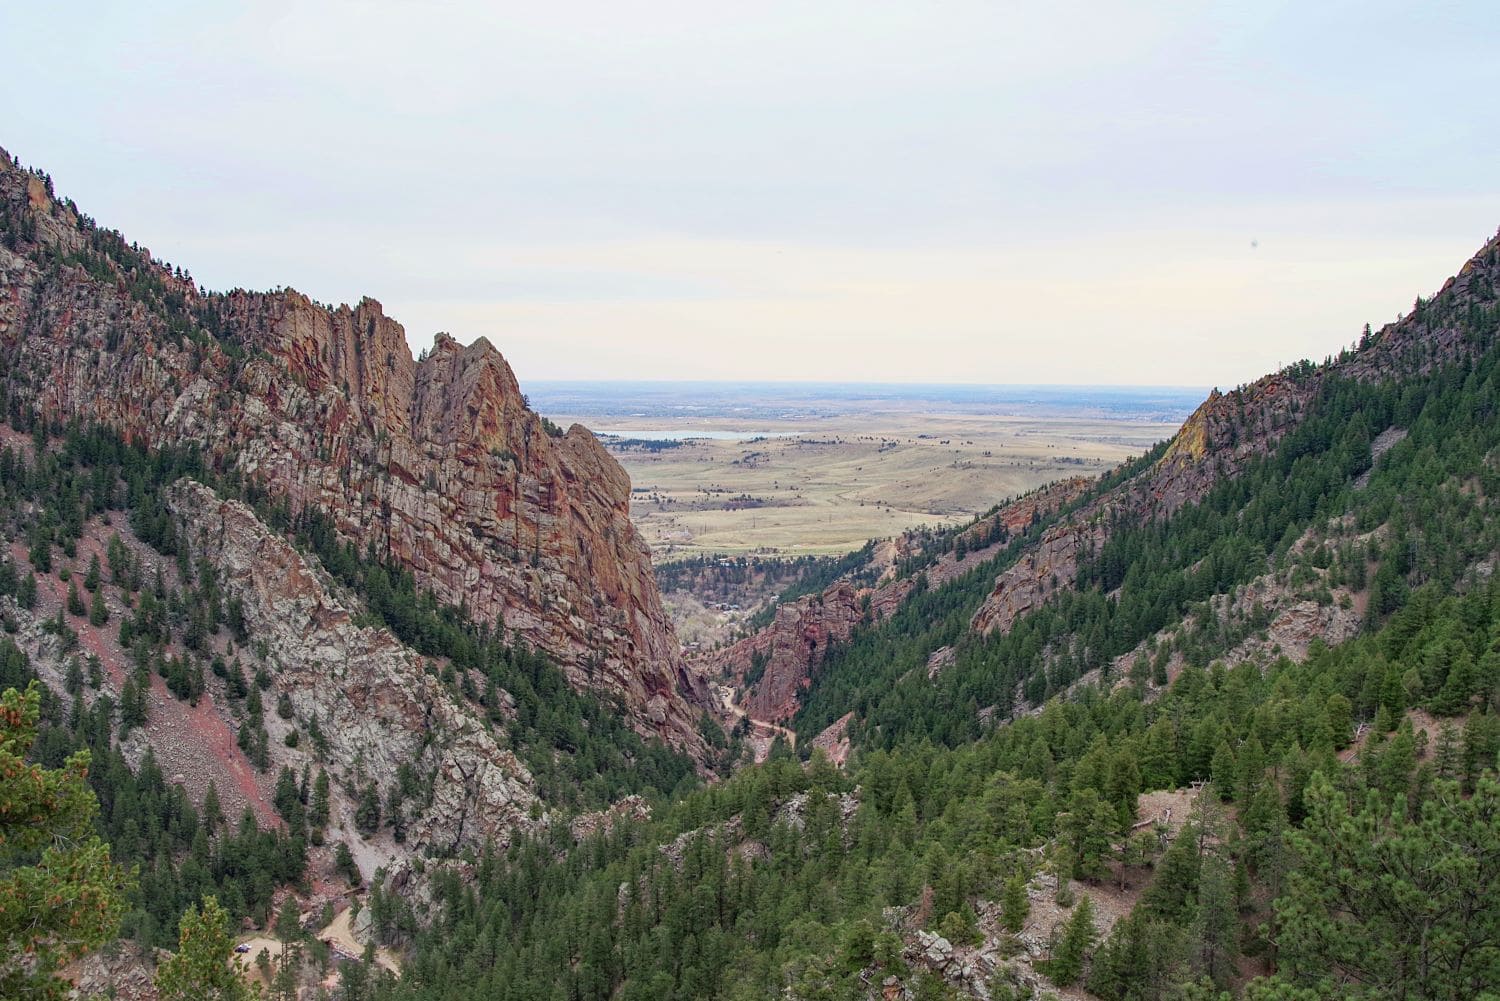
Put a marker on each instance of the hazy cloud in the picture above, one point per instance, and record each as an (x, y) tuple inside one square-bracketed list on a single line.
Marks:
[(935, 191)]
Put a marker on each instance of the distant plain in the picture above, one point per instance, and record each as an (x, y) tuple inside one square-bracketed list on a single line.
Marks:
[(793, 469)]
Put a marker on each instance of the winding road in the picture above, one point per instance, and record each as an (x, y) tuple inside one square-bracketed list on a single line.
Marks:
[(761, 728)]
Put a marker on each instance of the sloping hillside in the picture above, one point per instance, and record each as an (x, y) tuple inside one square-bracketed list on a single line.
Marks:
[(1152, 780), (313, 606), (1283, 471)]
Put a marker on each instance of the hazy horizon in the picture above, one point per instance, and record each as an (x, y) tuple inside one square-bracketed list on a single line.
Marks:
[(870, 382), (685, 404)]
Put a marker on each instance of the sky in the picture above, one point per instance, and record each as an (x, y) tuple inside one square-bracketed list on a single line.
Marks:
[(1156, 193)]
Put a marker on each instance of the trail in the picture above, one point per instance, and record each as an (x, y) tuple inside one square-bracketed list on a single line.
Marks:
[(340, 935), (764, 732)]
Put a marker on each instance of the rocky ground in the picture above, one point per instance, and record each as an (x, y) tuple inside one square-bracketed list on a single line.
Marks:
[(193, 745), (1014, 958)]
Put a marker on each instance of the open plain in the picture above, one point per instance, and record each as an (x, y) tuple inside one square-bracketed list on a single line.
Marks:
[(819, 470)]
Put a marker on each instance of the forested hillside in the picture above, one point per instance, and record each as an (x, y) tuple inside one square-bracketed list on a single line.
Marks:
[(1164, 782), (1381, 482), (188, 635), (1223, 723), (1340, 838)]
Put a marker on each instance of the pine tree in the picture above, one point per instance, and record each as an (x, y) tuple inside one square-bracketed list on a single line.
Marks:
[(132, 706), (1125, 784), (98, 612), (1340, 719), (1015, 904), (1224, 771), (41, 553), (286, 800), (1176, 883), (288, 931), (1066, 963), (343, 861), (317, 814), (213, 812), (119, 561), (62, 893), (1446, 758), (1375, 897), (204, 967), (262, 755), (26, 591), (367, 811), (1087, 830), (1215, 923)]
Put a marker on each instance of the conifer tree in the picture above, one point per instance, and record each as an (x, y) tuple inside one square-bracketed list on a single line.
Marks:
[(98, 612), (1386, 899), (1015, 904), (213, 812), (62, 893), (317, 814), (204, 968), (1066, 962)]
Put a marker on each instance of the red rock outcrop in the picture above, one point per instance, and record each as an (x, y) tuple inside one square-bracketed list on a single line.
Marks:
[(437, 464), (834, 740), (790, 648)]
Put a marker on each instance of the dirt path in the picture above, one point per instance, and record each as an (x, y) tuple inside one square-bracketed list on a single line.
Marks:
[(763, 732), (253, 947), (340, 935)]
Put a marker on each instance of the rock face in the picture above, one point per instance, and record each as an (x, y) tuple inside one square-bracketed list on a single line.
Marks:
[(834, 740), (377, 703), (437, 464), (790, 648), (586, 825), (787, 652)]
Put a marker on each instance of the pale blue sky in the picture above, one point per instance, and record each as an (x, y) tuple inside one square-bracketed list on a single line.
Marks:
[(988, 192)]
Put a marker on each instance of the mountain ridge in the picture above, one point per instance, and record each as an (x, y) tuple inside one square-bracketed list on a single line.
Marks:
[(1225, 434), (437, 463)]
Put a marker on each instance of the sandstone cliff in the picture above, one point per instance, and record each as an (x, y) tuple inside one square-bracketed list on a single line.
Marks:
[(777, 663), (437, 464), (786, 652)]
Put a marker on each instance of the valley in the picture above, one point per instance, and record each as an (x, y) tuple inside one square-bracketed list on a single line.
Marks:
[(317, 647), (788, 469)]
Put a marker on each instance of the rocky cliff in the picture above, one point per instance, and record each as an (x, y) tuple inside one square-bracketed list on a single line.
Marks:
[(377, 704), (437, 464), (777, 663)]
